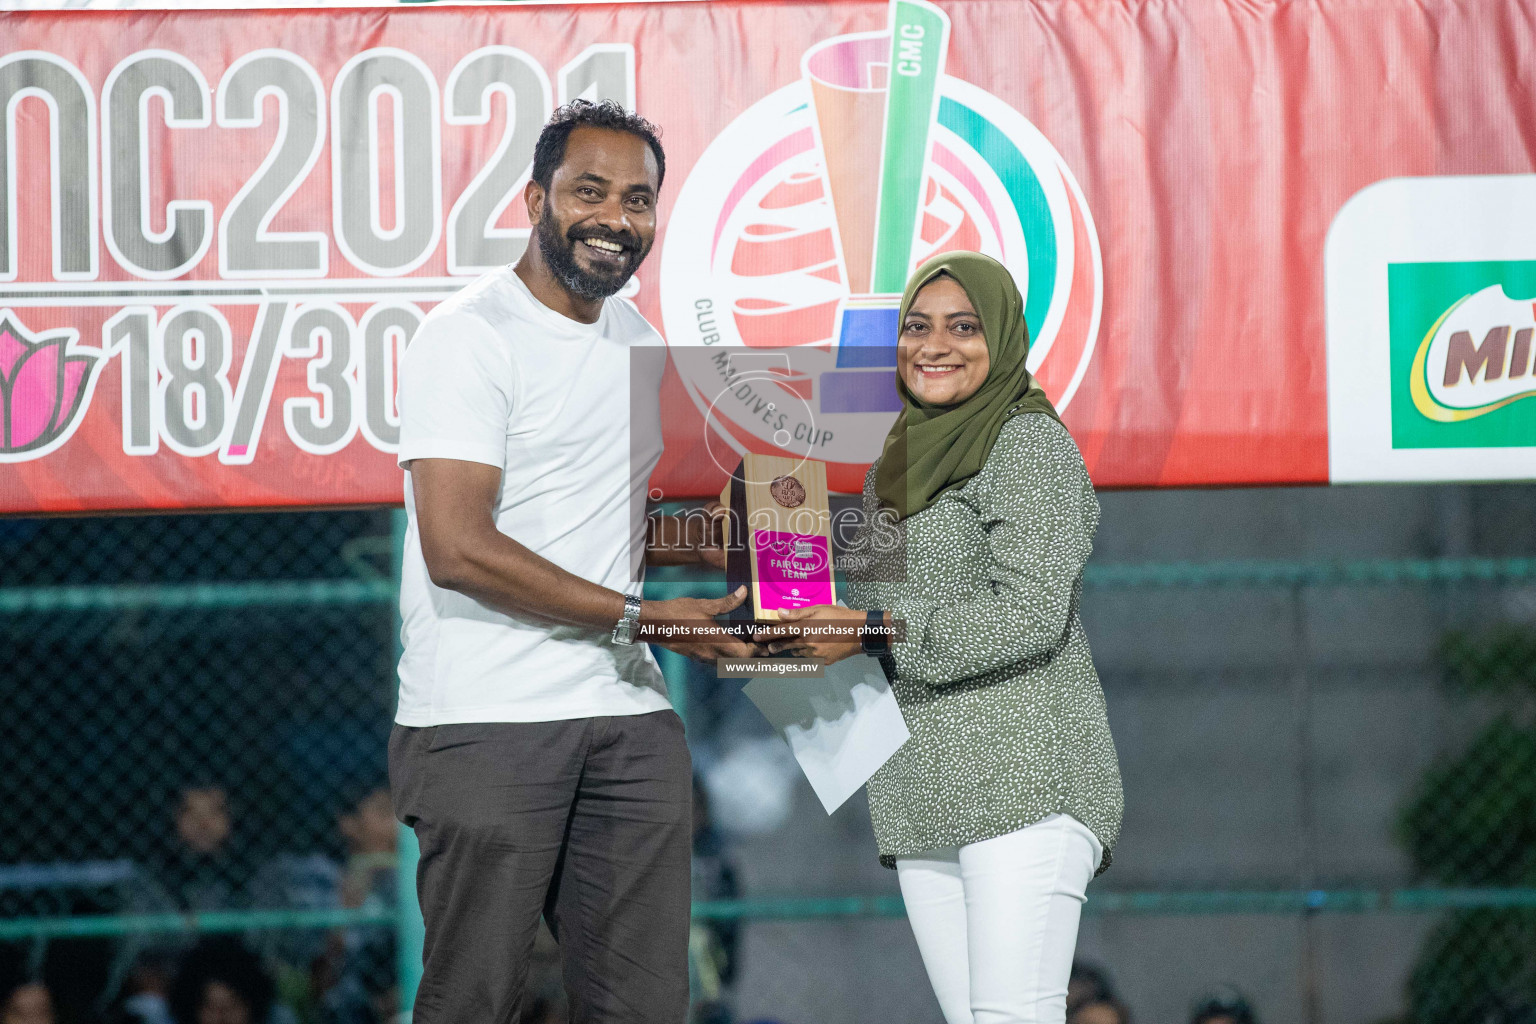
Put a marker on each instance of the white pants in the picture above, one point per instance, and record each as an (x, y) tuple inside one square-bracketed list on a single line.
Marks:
[(996, 921)]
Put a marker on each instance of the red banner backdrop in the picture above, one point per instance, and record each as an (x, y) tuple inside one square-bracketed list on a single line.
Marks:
[(222, 227)]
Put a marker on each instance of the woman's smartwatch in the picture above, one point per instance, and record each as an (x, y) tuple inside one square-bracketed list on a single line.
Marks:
[(873, 639)]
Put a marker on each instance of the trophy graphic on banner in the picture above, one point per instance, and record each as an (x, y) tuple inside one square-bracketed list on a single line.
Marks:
[(875, 96)]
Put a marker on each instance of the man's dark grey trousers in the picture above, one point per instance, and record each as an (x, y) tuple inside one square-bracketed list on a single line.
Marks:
[(588, 822)]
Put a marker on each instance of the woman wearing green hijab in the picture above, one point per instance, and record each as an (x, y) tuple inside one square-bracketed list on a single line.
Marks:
[(1006, 800)]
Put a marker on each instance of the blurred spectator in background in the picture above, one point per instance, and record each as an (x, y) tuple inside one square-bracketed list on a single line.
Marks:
[(340, 975), (363, 962), (1091, 997), (198, 869), (1087, 984), (712, 944), (222, 982), (366, 992), (370, 830), (74, 970), (48, 983), (29, 1002), (1224, 1006), (194, 868), (145, 996), (1100, 1011), (345, 976)]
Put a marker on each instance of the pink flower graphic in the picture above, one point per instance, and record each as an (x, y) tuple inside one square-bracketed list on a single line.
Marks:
[(44, 384)]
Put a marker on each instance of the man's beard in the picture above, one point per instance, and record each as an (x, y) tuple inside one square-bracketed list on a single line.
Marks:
[(559, 252)]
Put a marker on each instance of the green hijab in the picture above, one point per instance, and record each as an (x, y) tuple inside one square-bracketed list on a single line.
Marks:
[(932, 448)]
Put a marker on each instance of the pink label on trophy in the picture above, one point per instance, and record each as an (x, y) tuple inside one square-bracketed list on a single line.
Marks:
[(794, 570)]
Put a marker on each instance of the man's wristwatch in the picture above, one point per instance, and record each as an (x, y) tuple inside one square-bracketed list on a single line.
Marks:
[(874, 640), (628, 626)]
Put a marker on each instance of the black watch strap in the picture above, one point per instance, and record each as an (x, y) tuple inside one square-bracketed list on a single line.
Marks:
[(874, 641)]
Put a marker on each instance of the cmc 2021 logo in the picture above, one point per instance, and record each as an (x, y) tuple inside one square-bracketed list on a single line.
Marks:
[(794, 235)]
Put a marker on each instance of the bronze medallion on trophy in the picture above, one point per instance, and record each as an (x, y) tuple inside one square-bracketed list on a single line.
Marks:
[(787, 491)]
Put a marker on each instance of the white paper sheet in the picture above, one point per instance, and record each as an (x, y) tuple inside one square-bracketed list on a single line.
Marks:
[(841, 728)]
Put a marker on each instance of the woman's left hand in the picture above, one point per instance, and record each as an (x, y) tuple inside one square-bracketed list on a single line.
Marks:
[(825, 631)]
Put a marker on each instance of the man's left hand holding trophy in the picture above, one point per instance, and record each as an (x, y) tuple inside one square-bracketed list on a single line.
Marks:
[(687, 625)]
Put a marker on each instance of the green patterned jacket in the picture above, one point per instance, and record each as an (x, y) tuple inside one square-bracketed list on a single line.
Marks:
[(994, 678)]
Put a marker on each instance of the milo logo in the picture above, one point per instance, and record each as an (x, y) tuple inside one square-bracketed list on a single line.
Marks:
[(1461, 342), (1432, 330)]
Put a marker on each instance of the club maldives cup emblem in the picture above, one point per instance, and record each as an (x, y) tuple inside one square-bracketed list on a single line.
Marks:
[(795, 233)]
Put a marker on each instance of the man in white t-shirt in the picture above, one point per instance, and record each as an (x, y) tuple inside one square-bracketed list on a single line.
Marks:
[(535, 752)]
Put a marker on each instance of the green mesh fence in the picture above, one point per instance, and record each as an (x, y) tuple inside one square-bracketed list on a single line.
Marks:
[(1471, 821), (195, 716), (194, 712)]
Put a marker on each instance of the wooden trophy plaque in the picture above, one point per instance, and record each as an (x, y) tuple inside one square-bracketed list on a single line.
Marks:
[(781, 536)]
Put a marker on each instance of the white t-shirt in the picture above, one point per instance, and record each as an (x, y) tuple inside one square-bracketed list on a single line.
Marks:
[(495, 376)]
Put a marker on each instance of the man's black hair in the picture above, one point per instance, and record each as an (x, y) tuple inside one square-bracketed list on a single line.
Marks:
[(549, 151)]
